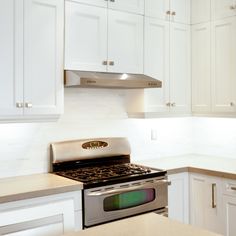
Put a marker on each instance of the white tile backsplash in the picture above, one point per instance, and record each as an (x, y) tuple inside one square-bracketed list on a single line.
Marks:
[(24, 148)]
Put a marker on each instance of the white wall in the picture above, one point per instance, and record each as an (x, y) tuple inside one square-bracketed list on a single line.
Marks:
[(90, 113), (24, 148)]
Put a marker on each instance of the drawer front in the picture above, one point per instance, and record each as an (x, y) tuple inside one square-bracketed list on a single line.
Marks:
[(229, 187)]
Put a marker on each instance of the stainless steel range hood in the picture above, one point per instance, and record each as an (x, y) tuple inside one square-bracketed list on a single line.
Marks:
[(85, 79)]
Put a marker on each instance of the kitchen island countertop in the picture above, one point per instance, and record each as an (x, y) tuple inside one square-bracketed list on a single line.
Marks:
[(37, 185), (144, 225)]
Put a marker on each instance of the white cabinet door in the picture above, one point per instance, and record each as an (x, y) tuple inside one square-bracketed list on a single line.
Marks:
[(157, 9), (134, 6), (125, 42), (43, 56), (178, 197), (201, 11), (99, 3), (223, 65), (206, 203), (85, 37), (201, 68), (180, 77), (156, 63), (11, 57), (180, 11), (229, 206), (223, 8)]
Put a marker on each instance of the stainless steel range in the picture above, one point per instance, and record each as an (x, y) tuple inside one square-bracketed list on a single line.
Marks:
[(114, 188)]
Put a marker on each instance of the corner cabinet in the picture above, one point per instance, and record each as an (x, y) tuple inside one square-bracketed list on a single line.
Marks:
[(45, 216), (31, 58), (103, 39)]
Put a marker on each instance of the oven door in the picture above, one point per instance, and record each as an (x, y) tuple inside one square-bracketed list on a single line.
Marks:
[(119, 201)]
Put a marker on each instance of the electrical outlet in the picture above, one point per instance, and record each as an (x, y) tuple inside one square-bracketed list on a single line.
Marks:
[(153, 134)]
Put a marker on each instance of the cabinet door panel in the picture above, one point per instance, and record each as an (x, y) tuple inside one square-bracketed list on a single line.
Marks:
[(157, 9), (134, 6), (11, 57), (201, 64), (125, 42), (206, 203), (229, 204), (180, 68), (85, 37), (223, 65), (156, 63), (43, 56), (99, 3), (182, 11), (223, 8), (201, 11)]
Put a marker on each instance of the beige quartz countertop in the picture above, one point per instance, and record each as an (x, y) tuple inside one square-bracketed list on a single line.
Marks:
[(209, 165), (31, 186), (145, 225)]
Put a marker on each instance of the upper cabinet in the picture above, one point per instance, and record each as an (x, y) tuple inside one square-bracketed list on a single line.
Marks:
[(100, 39), (200, 11), (223, 8), (133, 6), (31, 58), (223, 65), (172, 10)]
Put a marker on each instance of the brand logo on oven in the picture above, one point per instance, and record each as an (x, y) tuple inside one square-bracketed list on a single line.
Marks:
[(94, 145)]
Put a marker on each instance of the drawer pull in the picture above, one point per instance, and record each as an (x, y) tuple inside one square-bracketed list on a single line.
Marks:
[(233, 188), (213, 187)]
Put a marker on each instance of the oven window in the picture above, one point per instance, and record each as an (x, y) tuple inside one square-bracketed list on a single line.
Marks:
[(129, 199)]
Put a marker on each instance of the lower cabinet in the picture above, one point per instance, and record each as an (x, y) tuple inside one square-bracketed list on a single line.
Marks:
[(178, 197), (44, 216), (229, 207), (206, 202)]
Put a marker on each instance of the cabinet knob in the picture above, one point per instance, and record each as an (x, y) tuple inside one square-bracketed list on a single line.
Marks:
[(168, 12), (28, 105), (104, 63), (232, 7), (168, 104), (173, 104), (19, 104), (233, 188), (231, 104), (112, 0), (173, 13), (111, 63)]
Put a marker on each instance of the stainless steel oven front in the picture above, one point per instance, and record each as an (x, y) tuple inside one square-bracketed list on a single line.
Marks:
[(108, 203)]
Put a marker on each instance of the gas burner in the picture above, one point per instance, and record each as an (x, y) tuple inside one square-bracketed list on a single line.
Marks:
[(102, 173)]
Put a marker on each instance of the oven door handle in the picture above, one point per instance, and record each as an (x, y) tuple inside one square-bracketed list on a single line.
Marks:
[(123, 190)]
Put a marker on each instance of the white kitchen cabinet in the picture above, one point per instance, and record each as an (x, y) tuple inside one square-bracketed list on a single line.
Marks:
[(173, 10), (178, 197), (99, 39), (99, 3), (200, 11), (229, 207), (156, 63), (51, 215), (31, 58), (167, 58), (85, 37), (133, 6), (125, 42), (206, 202), (223, 8), (223, 65), (201, 68)]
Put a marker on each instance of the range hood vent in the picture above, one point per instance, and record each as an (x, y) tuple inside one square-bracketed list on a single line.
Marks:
[(85, 79)]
